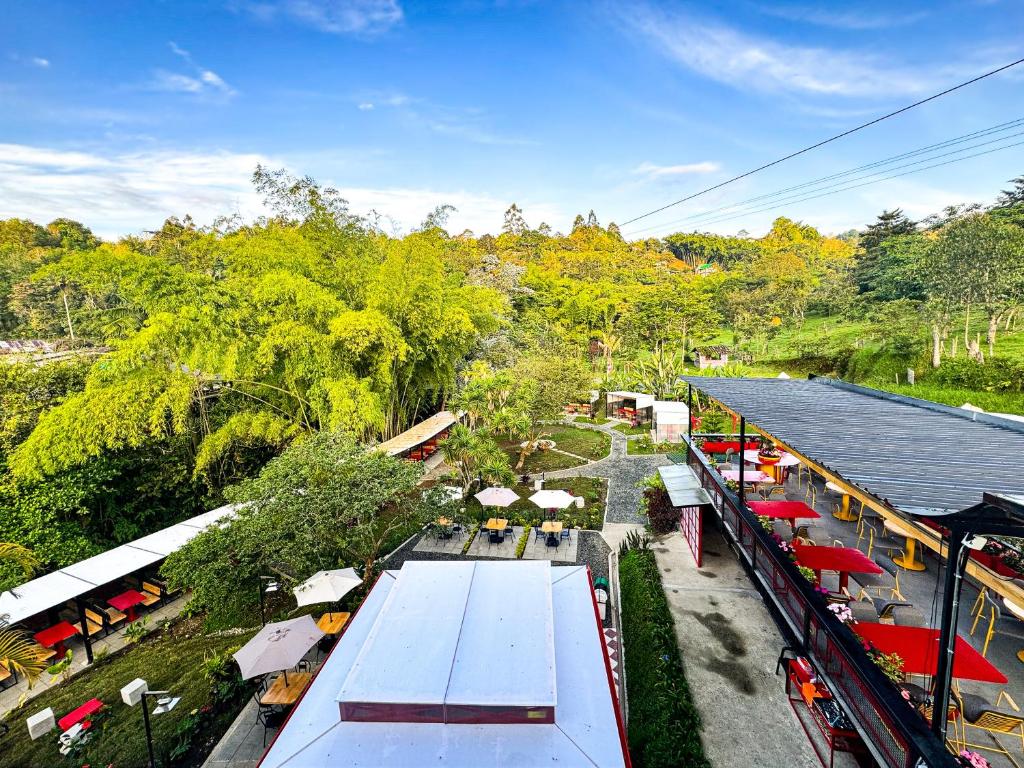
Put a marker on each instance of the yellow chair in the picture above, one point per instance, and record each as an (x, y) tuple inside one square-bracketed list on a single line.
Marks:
[(994, 614), (993, 719)]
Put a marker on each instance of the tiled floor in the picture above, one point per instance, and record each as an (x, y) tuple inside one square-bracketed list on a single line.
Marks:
[(12, 696), (482, 547), (566, 551)]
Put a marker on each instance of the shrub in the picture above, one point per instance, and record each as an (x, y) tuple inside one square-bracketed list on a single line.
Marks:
[(997, 375), (664, 725), (662, 515), (524, 539)]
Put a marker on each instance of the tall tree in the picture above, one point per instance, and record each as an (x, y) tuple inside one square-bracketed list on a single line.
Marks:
[(889, 224)]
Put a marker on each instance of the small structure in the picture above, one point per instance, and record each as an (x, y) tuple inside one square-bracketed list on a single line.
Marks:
[(422, 677), (715, 356), (669, 421), (588, 408), (420, 442), (635, 407), (687, 495)]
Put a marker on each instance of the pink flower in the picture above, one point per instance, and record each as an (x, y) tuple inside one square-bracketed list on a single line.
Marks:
[(905, 694)]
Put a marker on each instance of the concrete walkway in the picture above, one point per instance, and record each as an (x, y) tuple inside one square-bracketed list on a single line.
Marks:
[(730, 645)]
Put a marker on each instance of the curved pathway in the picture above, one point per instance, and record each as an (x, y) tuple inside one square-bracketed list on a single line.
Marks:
[(622, 472)]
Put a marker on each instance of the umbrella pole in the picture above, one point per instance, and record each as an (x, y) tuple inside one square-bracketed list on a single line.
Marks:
[(286, 677)]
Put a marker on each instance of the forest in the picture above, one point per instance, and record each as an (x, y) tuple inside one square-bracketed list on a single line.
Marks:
[(191, 356)]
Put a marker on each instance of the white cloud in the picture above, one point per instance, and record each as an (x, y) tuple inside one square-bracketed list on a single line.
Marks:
[(40, 62), (123, 193), (653, 171), (856, 20), (201, 82), (366, 106), (744, 61), (342, 17)]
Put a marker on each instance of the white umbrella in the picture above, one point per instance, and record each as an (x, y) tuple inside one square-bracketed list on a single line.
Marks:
[(558, 499), (497, 497), (278, 646), (327, 586)]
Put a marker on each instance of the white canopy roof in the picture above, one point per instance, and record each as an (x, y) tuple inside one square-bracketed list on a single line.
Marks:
[(586, 728), (670, 412), (53, 589), (683, 486), (643, 400)]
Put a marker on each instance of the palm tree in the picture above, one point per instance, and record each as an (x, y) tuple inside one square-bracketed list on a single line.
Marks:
[(17, 652)]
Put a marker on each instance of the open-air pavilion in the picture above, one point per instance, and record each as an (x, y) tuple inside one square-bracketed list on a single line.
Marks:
[(420, 442), (635, 407), (898, 471)]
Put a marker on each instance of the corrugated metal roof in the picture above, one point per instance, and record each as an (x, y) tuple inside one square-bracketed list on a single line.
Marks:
[(912, 454), (683, 486)]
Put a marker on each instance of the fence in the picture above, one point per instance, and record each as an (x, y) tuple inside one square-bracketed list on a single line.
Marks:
[(894, 733)]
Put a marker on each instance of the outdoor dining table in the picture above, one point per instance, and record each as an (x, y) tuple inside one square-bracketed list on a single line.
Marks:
[(783, 510), (1018, 611), (283, 693), (907, 561), (443, 521), (333, 623), (918, 647), (845, 560), (785, 461), (844, 513), (127, 601), (496, 524), (753, 477), (54, 637), (553, 529)]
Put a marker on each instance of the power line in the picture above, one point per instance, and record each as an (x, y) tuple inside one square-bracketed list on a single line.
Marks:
[(783, 196), (866, 183), (1000, 128), (827, 141)]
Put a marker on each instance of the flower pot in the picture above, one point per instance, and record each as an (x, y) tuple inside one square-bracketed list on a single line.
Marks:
[(768, 460)]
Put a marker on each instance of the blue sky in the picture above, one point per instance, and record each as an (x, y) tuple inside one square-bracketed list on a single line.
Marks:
[(122, 113)]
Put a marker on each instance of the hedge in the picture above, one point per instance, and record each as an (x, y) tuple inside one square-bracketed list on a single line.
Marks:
[(664, 725)]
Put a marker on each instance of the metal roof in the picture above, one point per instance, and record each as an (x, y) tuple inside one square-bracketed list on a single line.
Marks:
[(419, 433), (912, 454), (683, 486)]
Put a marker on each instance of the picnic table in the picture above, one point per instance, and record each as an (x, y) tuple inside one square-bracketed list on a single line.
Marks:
[(333, 623), (127, 601), (284, 693), (553, 529), (54, 637), (80, 714), (783, 510), (919, 649), (845, 560)]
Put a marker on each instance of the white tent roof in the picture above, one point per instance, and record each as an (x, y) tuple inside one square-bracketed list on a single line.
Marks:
[(56, 588), (643, 400), (683, 486), (586, 730), (670, 412)]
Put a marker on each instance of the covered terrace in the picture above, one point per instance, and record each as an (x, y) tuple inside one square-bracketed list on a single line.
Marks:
[(420, 442), (880, 473)]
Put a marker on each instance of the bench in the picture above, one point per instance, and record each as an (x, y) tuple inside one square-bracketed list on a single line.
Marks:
[(93, 623), (6, 673), (152, 593), (109, 617)]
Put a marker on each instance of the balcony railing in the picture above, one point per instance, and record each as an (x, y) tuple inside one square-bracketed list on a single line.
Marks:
[(894, 732)]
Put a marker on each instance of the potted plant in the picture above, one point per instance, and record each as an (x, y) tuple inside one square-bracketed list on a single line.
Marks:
[(768, 452)]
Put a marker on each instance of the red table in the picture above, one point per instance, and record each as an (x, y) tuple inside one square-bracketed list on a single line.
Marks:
[(127, 601), (919, 649), (721, 446), (784, 510), (845, 560), (54, 637), (75, 716)]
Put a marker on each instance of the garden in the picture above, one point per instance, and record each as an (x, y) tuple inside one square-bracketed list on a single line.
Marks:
[(524, 512), (591, 444)]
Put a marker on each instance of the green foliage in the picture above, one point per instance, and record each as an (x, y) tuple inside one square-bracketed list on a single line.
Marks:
[(325, 502), (634, 540), (997, 375), (664, 725)]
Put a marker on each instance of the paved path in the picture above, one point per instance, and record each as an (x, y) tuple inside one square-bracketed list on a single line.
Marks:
[(729, 646)]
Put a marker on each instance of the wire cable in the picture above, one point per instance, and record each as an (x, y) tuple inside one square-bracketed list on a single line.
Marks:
[(1000, 128), (829, 140)]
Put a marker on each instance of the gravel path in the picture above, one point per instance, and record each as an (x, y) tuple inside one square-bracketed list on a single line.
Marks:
[(622, 472)]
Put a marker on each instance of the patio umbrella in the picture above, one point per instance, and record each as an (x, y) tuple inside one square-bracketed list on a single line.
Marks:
[(278, 646), (327, 586), (496, 497), (558, 499)]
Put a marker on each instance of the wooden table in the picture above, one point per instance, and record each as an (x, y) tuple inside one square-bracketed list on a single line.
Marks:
[(907, 561), (496, 524), (844, 513), (333, 623), (282, 695), (553, 528), (1017, 611), (444, 521)]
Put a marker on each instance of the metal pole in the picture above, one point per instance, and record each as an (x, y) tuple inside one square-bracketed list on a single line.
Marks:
[(947, 636), (84, 623), (149, 733), (263, 618), (739, 455), (689, 411)]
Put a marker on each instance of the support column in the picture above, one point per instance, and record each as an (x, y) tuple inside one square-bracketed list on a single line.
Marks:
[(689, 411), (947, 635), (84, 623), (739, 454)]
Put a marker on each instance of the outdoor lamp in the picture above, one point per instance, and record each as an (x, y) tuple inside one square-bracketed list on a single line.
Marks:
[(975, 542), (135, 693), (271, 586)]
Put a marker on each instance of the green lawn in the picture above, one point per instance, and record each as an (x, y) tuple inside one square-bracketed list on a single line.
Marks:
[(597, 420), (646, 447), (588, 443), (626, 429), (999, 402), (525, 512), (168, 661)]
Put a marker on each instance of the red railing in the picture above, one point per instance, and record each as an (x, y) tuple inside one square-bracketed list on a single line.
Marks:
[(894, 733)]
